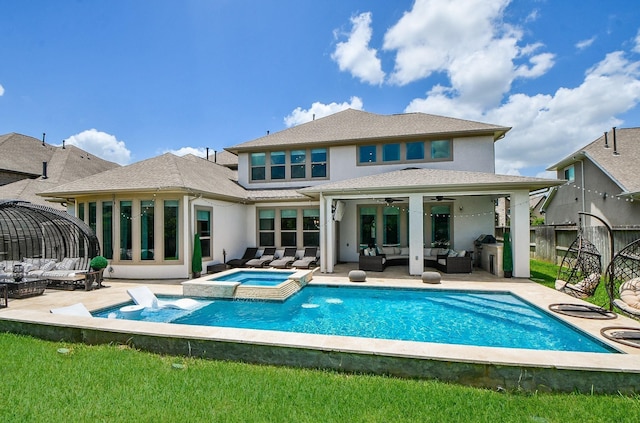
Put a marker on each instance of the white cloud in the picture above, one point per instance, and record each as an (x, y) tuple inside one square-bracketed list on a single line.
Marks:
[(581, 45), (546, 128), (196, 151), (101, 144), (355, 55), (467, 41), (318, 110), (1, 90)]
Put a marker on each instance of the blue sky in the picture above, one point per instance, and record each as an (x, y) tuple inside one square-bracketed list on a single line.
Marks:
[(129, 80)]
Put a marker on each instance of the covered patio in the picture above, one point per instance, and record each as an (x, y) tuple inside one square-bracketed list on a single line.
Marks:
[(468, 199)]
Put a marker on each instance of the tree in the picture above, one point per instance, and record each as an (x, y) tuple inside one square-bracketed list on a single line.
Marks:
[(196, 261)]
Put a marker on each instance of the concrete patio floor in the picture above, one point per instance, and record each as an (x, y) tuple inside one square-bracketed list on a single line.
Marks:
[(477, 366)]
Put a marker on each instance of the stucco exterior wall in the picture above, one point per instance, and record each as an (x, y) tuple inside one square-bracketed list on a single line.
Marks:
[(475, 154), (588, 195)]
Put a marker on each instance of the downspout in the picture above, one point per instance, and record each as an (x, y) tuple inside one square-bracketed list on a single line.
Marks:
[(584, 201)]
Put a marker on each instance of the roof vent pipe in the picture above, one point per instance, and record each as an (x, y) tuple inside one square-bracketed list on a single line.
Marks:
[(615, 144), (207, 153), (215, 156), (63, 141), (43, 135), (606, 141), (44, 170)]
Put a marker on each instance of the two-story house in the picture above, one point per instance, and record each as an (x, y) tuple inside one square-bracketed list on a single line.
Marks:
[(340, 183), (601, 180)]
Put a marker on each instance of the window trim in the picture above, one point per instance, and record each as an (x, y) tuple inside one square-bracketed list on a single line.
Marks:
[(379, 152), (288, 165)]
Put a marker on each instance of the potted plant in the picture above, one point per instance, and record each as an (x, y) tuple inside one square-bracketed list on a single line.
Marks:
[(507, 256), (98, 263)]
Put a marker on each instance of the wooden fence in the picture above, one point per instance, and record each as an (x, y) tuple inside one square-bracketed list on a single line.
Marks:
[(549, 243)]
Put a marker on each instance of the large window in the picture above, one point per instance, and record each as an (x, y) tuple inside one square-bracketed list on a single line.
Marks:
[(278, 165), (298, 164), (258, 167), (288, 227), (440, 149), (440, 226), (107, 229), (171, 232), (368, 226), (93, 216), (203, 228), (391, 222), (289, 165), (311, 227), (266, 228), (125, 230), (147, 216), (409, 151)]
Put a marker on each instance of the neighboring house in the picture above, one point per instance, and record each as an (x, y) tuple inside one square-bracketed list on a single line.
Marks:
[(29, 166), (339, 183), (602, 179)]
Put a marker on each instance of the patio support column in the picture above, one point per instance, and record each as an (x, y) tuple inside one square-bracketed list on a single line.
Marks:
[(327, 235), (520, 233), (416, 234)]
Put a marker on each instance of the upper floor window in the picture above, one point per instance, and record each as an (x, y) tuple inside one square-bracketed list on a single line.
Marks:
[(367, 154), (409, 151), (570, 173), (391, 152), (258, 166), (288, 165)]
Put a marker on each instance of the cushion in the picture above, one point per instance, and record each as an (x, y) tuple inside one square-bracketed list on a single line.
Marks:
[(452, 253), (28, 267), (587, 283), (630, 292), (379, 251), (67, 263), (48, 265), (560, 284), (34, 262), (404, 251), (427, 252), (387, 250), (462, 253)]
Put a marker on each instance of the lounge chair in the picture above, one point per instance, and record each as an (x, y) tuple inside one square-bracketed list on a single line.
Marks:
[(288, 257), (250, 253), (309, 259), (77, 309), (143, 296), (267, 257)]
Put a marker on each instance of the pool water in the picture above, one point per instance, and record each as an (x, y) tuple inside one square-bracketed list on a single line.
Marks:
[(496, 319), (255, 277)]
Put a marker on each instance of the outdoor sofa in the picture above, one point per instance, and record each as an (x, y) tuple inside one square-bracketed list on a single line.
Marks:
[(443, 259), (66, 273)]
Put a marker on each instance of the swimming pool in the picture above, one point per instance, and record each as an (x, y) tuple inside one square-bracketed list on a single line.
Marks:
[(494, 319), (255, 277)]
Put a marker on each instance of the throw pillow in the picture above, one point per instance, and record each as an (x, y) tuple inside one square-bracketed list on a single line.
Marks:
[(49, 265)]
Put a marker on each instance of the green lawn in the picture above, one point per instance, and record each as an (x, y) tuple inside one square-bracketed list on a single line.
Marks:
[(117, 384)]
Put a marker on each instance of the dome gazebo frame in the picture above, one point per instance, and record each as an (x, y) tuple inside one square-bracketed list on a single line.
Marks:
[(32, 230)]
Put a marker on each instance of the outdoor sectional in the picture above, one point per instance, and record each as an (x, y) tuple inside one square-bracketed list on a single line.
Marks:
[(443, 259), (67, 273)]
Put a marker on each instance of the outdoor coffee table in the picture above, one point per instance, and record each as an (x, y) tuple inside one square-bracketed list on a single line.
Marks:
[(27, 287)]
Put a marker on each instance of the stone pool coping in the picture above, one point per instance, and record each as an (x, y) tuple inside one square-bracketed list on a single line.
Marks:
[(507, 368)]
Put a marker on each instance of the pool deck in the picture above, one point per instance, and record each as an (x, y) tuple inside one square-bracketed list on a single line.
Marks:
[(493, 368)]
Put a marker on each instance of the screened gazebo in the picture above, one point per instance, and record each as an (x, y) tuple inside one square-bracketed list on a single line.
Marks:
[(32, 230)]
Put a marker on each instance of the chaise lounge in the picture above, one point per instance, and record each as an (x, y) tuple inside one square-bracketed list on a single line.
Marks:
[(250, 253), (288, 257), (268, 255), (309, 259)]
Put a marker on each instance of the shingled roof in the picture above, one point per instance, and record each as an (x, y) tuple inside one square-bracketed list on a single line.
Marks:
[(63, 165), (621, 165), (430, 180), (162, 173), (353, 126)]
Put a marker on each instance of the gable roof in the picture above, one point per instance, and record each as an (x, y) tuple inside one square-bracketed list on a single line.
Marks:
[(430, 181), (63, 165), (620, 167), (353, 126), (166, 172)]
